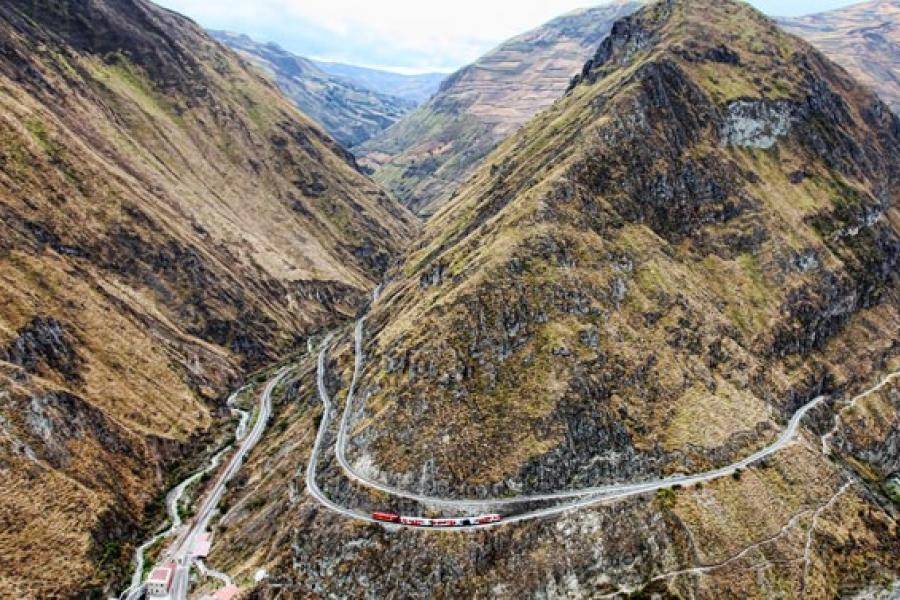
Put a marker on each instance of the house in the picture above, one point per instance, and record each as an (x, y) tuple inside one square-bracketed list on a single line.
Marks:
[(160, 581)]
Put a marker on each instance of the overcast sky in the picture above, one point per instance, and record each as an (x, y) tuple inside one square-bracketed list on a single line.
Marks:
[(403, 35)]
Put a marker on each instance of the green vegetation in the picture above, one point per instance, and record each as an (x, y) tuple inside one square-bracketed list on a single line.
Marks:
[(666, 498), (893, 490), (35, 125)]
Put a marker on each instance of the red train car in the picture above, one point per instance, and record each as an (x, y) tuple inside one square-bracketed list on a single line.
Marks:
[(387, 517), (485, 519), (447, 522)]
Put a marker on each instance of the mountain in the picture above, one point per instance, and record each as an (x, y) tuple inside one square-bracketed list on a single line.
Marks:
[(414, 88), (349, 111), (170, 222), (650, 277), (863, 38), (430, 152)]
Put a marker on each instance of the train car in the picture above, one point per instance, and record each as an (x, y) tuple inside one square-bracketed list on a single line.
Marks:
[(386, 517), (447, 522), (485, 519), (415, 521)]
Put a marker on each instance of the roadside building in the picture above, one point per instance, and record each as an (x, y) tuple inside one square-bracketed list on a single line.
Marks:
[(160, 581)]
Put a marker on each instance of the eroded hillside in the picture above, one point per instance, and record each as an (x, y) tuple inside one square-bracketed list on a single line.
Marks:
[(169, 221)]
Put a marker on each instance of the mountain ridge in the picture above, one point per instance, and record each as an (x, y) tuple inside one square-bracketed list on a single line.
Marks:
[(350, 112), (665, 148)]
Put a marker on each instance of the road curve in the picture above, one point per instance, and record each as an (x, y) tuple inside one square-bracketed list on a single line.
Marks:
[(311, 484), (471, 503), (584, 497)]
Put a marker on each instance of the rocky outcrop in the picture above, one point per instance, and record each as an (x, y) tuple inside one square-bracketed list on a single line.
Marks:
[(44, 341), (754, 124)]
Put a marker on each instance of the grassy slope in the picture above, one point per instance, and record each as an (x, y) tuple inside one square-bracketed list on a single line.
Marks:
[(181, 222)]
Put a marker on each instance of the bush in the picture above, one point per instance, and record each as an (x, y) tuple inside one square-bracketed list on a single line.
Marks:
[(666, 498)]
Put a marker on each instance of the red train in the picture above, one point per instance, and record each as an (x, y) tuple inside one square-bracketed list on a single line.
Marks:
[(443, 523)]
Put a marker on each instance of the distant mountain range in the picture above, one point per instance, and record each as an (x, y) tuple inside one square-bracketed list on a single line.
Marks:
[(352, 103), (425, 157), (415, 88), (864, 39)]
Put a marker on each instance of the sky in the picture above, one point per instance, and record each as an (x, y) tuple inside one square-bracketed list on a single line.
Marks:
[(408, 36)]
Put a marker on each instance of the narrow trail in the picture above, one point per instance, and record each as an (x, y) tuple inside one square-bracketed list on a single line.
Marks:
[(793, 522), (206, 571), (826, 439), (807, 549)]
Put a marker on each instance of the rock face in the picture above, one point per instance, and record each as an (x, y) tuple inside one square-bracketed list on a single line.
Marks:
[(430, 152), (168, 221), (863, 38), (350, 112)]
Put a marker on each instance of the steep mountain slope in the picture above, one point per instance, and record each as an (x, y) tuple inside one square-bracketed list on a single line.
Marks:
[(424, 157), (705, 223), (415, 88), (348, 111), (863, 38), (169, 221)]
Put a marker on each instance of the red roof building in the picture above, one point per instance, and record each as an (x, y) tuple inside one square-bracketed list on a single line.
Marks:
[(160, 580)]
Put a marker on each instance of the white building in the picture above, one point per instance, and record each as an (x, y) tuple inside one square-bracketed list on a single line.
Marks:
[(160, 581)]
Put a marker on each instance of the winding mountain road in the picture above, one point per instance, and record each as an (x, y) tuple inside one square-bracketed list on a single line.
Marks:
[(311, 484), (181, 551), (583, 497)]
